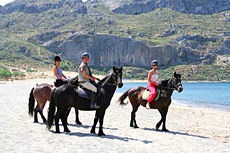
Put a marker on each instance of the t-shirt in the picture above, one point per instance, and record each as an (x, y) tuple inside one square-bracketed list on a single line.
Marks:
[(85, 67)]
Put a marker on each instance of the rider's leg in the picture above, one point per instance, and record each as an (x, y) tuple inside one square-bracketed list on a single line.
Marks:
[(91, 87), (152, 89)]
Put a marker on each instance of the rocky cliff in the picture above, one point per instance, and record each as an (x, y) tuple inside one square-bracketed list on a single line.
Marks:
[(36, 6), (109, 50), (184, 6)]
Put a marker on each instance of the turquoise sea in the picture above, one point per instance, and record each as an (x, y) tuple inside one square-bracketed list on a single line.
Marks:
[(210, 95)]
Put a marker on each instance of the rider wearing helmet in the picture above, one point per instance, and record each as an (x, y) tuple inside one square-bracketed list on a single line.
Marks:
[(60, 77), (85, 77), (153, 82)]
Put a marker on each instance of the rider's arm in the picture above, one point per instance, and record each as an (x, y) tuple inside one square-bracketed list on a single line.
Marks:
[(86, 76), (64, 76)]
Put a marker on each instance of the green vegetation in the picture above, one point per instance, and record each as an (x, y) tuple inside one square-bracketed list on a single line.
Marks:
[(17, 49), (4, 73)]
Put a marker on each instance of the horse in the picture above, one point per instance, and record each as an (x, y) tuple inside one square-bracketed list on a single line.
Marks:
[(166, 88), (66, 96), (42, 94)]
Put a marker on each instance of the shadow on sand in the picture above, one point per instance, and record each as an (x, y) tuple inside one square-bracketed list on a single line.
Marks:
[(176, 133), (108, 136), (89, 126)]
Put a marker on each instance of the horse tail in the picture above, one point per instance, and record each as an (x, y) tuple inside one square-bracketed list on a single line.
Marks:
[(31, 103), (51, 110), (123, 97)]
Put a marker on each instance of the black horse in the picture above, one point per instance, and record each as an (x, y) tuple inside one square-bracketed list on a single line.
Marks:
[(66, 97), (166, 87)]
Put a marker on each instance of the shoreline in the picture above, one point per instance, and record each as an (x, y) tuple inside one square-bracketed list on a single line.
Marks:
[(216, 107)]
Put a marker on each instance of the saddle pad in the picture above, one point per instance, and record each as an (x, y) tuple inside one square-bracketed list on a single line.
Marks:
[(146, 94), (84, 93)]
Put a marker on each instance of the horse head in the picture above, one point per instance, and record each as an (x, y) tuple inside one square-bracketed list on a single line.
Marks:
[(117, 76), (175, 82)]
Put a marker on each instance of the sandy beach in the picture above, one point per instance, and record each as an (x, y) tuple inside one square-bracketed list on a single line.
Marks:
[(192, 129)]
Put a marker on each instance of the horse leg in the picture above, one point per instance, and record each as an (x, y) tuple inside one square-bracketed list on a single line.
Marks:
[(77, 117), (95, 122), (36, 114), (133, 115), (67, 114), (164, 119), (64, 120), (41, 112), (57, 116), (101, 120), (163, 113), (42, 116)]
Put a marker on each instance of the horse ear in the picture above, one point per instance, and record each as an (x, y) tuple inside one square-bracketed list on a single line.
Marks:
[(175, 74), (114, 68), (121, 67)]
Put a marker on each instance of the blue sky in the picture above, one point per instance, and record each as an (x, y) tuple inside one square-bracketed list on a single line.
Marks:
[(3, 2)]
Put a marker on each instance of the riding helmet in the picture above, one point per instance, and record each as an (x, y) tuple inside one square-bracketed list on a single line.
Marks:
[(57, 58), (154, 62), (84, 55)]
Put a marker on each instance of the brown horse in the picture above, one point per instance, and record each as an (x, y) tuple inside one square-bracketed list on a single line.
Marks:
[(166, 89), (42, 94)]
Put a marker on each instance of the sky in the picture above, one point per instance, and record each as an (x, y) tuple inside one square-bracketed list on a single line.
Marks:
[(3, 2)]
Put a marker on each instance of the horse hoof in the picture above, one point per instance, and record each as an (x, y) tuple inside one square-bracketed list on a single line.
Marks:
[(165, 130), (101, 134), (78, 123), (92, 131), (67, 131), (35, 121), (57, 132), (135, 127)]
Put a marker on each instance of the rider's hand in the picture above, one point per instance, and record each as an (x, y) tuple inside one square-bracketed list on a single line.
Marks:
[(156, 83), (97, 79), (93, 79)]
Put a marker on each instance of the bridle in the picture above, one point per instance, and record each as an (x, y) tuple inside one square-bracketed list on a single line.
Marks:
[(109, 77), (174, 88)]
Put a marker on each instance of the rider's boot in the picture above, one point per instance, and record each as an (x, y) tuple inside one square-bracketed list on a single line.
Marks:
[(93, 104), (148, 105)]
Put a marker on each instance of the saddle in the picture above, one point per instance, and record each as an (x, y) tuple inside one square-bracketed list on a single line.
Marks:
[(146, 94), (85, 93)]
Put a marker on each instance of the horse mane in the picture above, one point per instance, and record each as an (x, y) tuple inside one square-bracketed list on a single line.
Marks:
[(103, 80), (164, 83)]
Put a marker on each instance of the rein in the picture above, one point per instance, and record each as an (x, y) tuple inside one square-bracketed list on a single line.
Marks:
[(106, 81)]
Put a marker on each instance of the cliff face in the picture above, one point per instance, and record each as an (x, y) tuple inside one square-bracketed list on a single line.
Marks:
[(184, 6), (109, 50)]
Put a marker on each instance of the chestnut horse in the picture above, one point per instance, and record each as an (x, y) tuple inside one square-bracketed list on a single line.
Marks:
[(42, 94), (166, 88)]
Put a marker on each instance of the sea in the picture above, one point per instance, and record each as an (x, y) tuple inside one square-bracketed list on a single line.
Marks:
[(198, 94)]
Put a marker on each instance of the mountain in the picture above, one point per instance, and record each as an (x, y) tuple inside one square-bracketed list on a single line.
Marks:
[(184, 6), (123, 32)]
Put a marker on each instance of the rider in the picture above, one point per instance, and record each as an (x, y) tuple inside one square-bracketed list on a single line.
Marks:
[(60, 77), (153, 82), (85, 77)]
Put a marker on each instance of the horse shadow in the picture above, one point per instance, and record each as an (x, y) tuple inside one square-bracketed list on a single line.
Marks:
[(89, 126), (176, 133), (108, 136)]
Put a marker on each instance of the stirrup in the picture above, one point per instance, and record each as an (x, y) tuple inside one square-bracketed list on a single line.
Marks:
[(94, 106)]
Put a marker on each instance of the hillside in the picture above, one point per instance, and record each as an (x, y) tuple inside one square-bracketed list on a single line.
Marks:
[(198, 38)]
